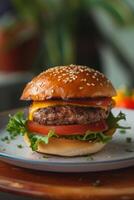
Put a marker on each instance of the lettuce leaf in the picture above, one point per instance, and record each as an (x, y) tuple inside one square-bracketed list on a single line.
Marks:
[(17, 126), (36, 139), (99, 136)]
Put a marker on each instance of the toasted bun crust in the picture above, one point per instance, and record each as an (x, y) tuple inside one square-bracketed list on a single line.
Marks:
[(64, 82), (66, 147)]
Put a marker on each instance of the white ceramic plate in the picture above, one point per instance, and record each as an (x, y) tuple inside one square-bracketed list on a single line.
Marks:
[(119, 153)]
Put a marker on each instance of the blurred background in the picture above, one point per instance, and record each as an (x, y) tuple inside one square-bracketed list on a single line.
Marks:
[(36, 34)]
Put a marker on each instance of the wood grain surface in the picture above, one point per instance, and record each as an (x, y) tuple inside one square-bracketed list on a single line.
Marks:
[(110, 185)]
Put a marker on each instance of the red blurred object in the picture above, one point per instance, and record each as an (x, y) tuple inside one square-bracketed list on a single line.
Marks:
[(127, 102), (17, 55), (125, 98)]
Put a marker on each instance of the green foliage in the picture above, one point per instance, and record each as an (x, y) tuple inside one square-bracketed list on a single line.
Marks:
[(57, 20), (16, 125), (121, 11)]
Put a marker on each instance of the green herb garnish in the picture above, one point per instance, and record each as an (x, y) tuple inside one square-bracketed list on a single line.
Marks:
[(20, 146), (45, 156), (113, 121), (89, 157), (128, 139), (3, 149), (6, 138), (123, 131), (129, 150), (16, 125)]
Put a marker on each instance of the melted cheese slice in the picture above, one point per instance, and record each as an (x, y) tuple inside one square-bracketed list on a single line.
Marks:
[(38, 104)]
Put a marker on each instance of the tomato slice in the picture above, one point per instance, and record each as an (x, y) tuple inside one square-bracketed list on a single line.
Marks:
[(35, 127)]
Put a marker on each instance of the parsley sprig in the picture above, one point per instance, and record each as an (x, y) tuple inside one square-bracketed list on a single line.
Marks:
[(113, 122), (16, 125)]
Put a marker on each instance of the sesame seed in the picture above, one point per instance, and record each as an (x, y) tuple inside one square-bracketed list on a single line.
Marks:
[(65, 81), (80, 88), (68, 74), (73, 78), (92, 84), (95, 74), (83, 80), (81, 70), (41, 85), (36, 89)]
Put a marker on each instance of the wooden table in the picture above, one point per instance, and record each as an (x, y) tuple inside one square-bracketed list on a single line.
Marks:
[(110, 185)]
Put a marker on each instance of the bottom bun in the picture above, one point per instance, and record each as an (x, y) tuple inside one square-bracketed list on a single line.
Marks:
[(67, 147)]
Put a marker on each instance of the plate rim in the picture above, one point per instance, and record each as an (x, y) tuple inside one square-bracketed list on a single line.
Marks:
[(47, 161)]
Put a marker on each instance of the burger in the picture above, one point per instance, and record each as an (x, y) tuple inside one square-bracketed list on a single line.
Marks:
[(70, 112)]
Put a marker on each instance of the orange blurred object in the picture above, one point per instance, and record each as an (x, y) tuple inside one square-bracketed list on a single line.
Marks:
[(125, 98)]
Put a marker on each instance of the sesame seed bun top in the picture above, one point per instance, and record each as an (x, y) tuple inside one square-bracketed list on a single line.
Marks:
[(65, 82)]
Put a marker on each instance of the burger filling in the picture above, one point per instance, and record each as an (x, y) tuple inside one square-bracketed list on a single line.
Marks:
[(80, 122), (67, 115)]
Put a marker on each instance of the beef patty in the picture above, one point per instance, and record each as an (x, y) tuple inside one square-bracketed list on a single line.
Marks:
[(63, 115)]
